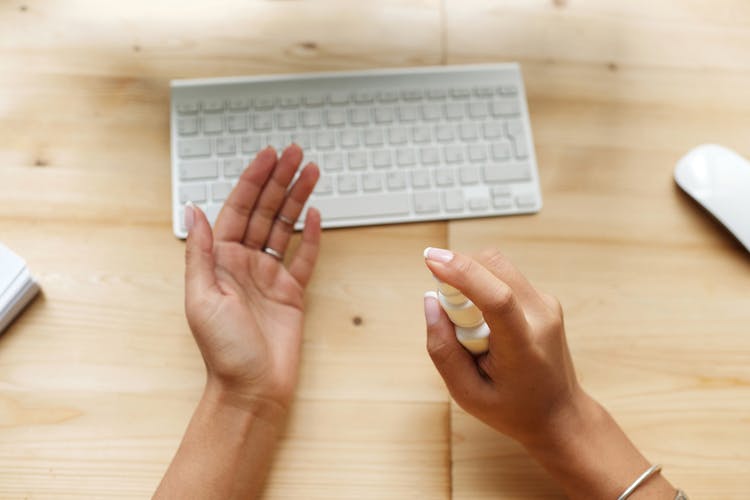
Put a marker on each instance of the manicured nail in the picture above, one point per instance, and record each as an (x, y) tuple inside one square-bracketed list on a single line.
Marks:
[(431, 308), (189, 215), (438, 254)]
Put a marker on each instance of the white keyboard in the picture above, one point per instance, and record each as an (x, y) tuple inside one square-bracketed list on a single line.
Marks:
[(397, 145)]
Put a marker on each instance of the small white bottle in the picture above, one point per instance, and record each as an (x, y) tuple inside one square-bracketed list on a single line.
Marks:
[(471, 330)]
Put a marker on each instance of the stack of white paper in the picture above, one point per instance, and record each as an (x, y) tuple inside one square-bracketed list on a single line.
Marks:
[(17, 287)]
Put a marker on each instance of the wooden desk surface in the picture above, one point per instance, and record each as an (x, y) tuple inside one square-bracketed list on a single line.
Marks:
[(99, 377)]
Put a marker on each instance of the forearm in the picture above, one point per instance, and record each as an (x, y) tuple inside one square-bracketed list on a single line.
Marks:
[(590, 456), (226, 451)]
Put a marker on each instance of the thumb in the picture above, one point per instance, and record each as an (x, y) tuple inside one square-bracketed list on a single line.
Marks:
[(199, 257), (454, 363)]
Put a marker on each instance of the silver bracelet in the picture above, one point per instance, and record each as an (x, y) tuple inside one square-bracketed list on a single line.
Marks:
[(641, 479), (681, 495)]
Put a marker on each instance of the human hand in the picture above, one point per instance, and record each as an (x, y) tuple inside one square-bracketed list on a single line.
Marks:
[(244, 306), (525, 385)]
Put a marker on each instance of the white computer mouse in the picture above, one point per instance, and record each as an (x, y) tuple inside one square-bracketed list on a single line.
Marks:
[(719, 179)]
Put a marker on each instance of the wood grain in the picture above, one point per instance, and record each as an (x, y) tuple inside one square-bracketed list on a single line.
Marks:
[(655, 293)]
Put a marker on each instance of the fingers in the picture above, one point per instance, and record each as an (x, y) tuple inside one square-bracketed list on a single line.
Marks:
[(501, 267), (454, 363), (199, 259), (283, 225), (495, 298), (232, 221), (303, 263), (271, 198)]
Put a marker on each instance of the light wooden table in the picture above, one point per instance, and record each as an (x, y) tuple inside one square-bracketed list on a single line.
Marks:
[(99, 377)]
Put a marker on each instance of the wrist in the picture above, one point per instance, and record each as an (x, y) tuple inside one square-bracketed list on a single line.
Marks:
[(224, 399)]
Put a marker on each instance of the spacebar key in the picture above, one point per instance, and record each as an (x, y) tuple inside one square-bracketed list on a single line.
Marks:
[(349, 207)]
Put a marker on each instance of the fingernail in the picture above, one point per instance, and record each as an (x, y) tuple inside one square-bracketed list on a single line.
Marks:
[(438, 254), (431, 308), (189, 215)]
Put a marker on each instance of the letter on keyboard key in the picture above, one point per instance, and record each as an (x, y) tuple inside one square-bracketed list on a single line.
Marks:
[(507, 172), (426, 202), (371, 205), (194, 148), (190, 170), (187, 126)]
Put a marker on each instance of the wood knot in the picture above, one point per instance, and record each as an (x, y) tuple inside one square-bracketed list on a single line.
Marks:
[(136, 48), (309, 45), (40, 162), (612, 66), (560, 3), (23, 8), (357, 320)]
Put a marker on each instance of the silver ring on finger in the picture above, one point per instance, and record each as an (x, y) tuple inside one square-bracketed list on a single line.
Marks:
[(274, 253)]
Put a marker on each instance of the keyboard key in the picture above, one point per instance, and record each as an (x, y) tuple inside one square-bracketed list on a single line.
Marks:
[(194, 148), (397, 136), (420, 179), (310, 118), (468, 175), (500, 150), (364, 97), (302, 139), (359, 116), (477, 110), (388, 96), (250, 145), (239, 104), (526, 200), (454, 154), (453, 200), (213, 124), (454, 111), (225, 145), (187, 108), (220, 191), (264, 103), (192, 192), (514, 128), (429, 156), (412, 95), (477, 152), (262, 121), (421, 134), (484, 91), (347, 183), (357, 160), (333, 162), (187, 126), (501, 197), (492, 131), (437, 94), (287, 120), (313, 100), (508, 90), (289, 101), (426, 202), (373, 137), (431, 112), (278, 141), (233, 167), (384, 115), (372, 182), (407, 114), (505, 107), (507, 172), (444, 133), (213, 105), (479, 204), (395, 180), (335, 117), (405, 157), (212, 212), (349, 138), (324, 185), (237, 123), (191, 170), (339, 98), (365, 205), (460, 93), (445, 177), (468, 132), (381, 158), (324, 140)]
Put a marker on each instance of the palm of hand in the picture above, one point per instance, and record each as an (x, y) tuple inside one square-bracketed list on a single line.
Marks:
[(251, 326)]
